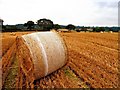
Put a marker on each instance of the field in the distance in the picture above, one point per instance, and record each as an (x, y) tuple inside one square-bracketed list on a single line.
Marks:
[(92, 61)]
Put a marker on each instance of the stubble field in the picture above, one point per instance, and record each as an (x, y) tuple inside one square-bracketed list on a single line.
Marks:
[(92, 62)]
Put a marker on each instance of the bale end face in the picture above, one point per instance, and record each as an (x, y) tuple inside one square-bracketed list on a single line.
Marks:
[(26, 66)]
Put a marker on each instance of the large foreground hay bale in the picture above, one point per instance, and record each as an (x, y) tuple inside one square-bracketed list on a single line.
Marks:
[(40, 54)]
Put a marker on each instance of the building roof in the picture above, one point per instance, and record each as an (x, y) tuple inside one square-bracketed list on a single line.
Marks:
[(65, 30), (1, 20)]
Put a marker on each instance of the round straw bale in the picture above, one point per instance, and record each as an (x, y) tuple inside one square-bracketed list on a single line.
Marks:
[(41, 53)]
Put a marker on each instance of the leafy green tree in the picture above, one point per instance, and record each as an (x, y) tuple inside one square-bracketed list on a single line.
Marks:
[(57, 26), (70, 27), (45, 24), (29, 25), (101, 29), (98, 29), (10, 28), (3, 27)]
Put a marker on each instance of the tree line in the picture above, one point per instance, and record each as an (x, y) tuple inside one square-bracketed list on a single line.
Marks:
[(42, 24), (47, 24)]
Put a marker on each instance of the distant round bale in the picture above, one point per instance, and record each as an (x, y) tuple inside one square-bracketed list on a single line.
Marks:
[(41, 53), (13, 34)]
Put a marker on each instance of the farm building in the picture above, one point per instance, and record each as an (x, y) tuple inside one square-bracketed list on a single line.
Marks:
[(1, 22), (89, 29), (84, 29), (63, 30)]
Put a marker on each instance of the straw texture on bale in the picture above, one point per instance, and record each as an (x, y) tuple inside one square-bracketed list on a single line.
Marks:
[(40, 54), (7, 60)]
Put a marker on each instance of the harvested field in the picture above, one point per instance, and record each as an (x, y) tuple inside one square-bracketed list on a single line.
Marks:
[(92, 62)]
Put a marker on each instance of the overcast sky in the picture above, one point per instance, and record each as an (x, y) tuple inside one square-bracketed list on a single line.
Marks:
[(64, 12)]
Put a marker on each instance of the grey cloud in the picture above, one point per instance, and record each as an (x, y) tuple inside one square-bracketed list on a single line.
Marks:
[(107, 4)]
